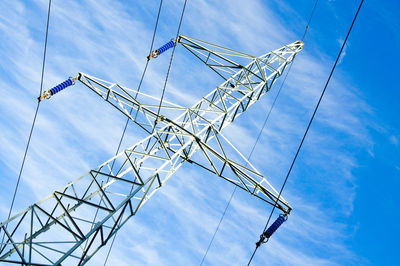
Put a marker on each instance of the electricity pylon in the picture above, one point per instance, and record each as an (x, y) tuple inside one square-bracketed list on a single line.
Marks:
[(73, 223)]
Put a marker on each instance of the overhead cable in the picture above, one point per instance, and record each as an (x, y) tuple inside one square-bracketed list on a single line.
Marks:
[(258, 136), (309, 124), (33, 122)]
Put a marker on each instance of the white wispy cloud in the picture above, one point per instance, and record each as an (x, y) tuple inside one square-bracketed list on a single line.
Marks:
[(76, 130)]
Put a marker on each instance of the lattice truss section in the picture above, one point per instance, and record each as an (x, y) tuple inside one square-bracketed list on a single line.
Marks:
[(73, 223)]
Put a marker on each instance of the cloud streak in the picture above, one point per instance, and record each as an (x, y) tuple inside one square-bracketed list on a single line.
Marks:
[(76, 131)]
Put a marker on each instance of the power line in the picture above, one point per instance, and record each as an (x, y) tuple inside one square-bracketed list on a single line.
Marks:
[(168, 72), (170, 61), (130, 112), (34, 119), (219, 224), (309, 124), (165, 84), (259, 135), (309, 20), (141, 80)]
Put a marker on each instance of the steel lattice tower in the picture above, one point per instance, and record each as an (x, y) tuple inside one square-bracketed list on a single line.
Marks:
[(88, 211)]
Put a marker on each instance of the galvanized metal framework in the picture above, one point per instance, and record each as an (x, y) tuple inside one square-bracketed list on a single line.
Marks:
[(74, 222)]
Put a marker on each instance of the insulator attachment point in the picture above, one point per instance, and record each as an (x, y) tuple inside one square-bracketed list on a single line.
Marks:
[(162, 49), (47, 94), (264, 237)]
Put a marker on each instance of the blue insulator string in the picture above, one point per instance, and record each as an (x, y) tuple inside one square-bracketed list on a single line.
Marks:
[(162, 49), (166, 46), (58, 88), (273, 227), (61, 86), (268, 233)]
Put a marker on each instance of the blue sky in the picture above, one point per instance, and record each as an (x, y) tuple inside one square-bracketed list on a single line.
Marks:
[(343, 187)]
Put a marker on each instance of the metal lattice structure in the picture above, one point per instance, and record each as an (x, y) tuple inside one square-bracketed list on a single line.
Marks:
[(88, 211)]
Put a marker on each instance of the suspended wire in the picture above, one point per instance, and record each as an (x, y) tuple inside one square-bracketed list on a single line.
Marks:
[(162, 96), (34, 120), (170, 61), (309, 21), (167, 76), (130, 112), (141, 80), (259, 134), (309, 124), (165, 84), (219, 224)]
